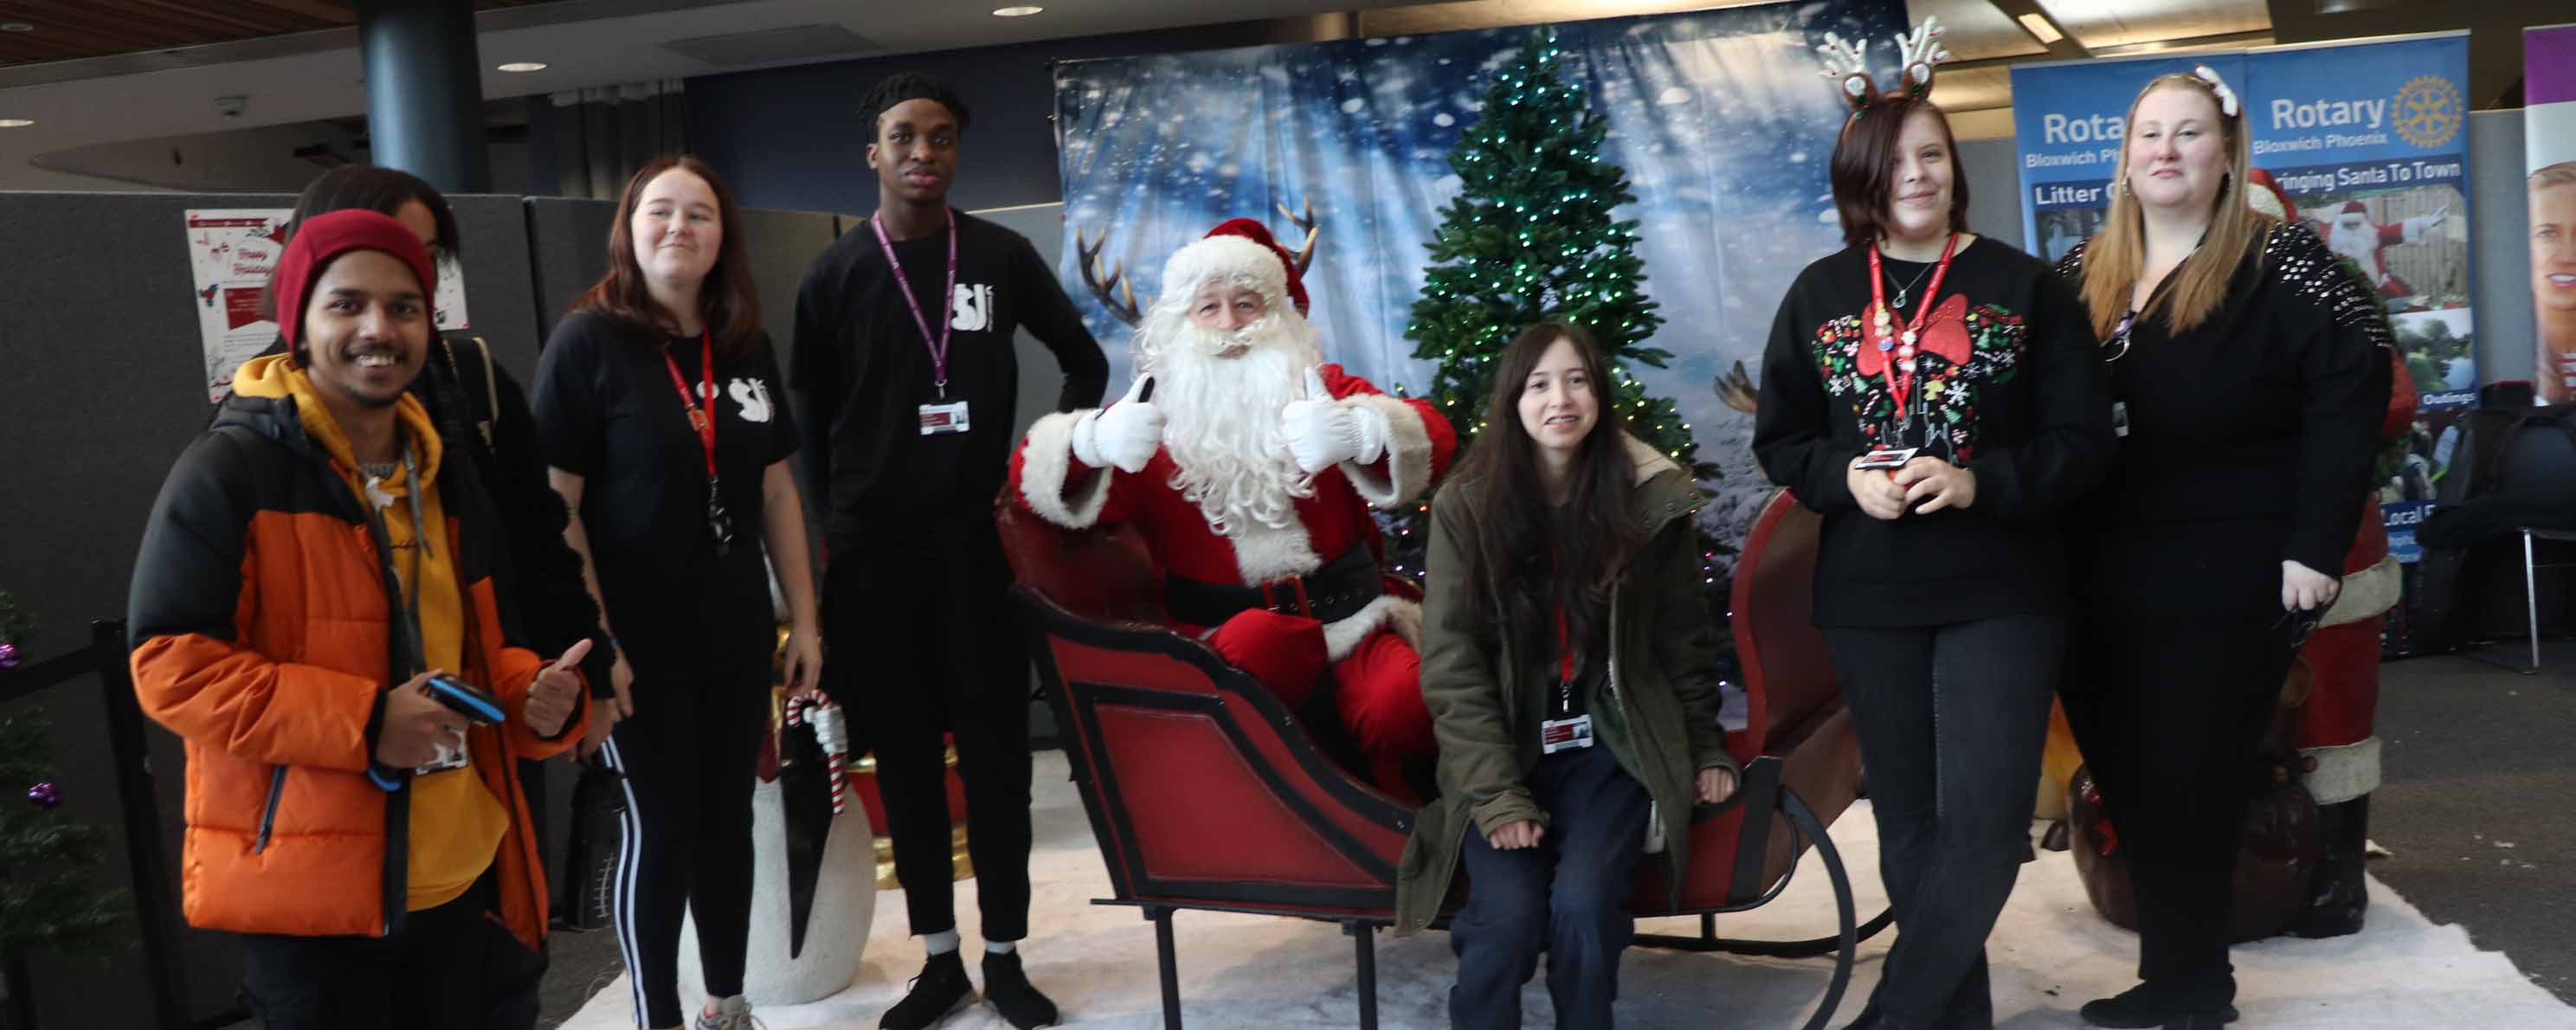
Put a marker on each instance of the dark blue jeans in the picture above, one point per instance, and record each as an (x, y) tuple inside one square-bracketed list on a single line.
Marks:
[(1951, 721), (1566, 897)]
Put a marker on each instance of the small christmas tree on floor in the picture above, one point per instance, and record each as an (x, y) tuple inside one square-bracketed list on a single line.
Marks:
[(1531, 237), (49, 902)]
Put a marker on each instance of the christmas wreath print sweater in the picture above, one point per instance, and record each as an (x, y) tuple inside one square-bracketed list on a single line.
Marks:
[(2007, 384)]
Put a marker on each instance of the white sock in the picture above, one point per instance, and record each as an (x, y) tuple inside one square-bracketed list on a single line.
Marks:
[(1001, 947), (941, 943), (729, 1003)]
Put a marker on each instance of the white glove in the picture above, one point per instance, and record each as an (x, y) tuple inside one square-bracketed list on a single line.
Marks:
[(1124, 435), (1323, 432)]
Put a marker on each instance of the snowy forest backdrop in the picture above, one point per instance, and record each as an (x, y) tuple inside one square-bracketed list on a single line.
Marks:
[(1721, 118)]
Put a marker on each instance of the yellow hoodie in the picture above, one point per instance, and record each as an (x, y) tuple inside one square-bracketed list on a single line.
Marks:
[(456, 823)]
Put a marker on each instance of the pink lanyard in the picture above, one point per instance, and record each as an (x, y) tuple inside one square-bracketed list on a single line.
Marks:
[(938, 345)]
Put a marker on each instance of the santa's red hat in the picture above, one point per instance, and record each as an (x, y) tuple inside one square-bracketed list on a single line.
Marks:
[(2353, 207), (1239, 247), (2264, 193)]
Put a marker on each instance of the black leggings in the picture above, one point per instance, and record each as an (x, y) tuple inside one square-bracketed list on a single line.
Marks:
[(924, 638), (2170, 710), (687, 758)]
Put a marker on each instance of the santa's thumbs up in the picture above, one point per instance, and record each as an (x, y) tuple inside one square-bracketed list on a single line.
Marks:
[(1124, 435), (1323, 432)]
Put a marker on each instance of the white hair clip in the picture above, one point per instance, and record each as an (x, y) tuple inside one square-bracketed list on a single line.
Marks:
[(2226, 96)]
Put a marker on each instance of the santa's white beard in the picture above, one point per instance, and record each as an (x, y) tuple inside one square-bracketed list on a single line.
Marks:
[(1221, 419), (2357, 239)]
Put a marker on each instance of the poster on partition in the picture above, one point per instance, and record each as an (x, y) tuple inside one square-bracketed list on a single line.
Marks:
[(2549, 148), (231, 252), (2370, 140)]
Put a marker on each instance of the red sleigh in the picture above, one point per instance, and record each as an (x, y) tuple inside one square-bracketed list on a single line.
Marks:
[(1206, 793)]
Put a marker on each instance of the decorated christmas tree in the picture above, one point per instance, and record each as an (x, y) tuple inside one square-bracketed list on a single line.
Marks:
[(1531, 237), (48, 900)]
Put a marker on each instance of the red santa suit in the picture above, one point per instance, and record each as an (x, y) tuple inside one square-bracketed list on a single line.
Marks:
[(2352, 234), (1276, 565)]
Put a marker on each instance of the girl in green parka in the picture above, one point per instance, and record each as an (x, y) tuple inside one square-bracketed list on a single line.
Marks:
[(1571, 673)]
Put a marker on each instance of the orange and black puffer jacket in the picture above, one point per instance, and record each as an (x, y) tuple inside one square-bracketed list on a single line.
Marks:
[(260, 620)]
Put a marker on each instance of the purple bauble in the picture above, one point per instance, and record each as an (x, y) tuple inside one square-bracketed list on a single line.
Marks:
[(44, 795), (8, 655)]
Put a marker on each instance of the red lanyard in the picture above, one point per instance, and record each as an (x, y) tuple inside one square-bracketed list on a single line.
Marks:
[(1564, 649), (948, 311), (703, 419), (1883, 323)]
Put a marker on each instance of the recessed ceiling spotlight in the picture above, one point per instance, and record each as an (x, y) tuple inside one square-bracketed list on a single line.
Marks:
[(524, 66), (1020, 11), (16, 123), (16, 26)]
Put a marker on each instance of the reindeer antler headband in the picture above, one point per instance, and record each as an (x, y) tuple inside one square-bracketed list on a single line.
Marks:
[(1849, 63)]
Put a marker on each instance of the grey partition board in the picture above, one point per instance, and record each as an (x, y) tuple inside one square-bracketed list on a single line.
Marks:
[(1992, 168), (568, 251), (2500, 245), (493, 239), (111, 386)]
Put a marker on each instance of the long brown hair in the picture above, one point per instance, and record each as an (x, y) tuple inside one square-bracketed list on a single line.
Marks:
[(2117, 255), (728, 304), (1861, 171), (1524, 555)]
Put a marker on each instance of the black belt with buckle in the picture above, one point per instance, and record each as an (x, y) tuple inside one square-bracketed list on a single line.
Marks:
[(1335, 592)]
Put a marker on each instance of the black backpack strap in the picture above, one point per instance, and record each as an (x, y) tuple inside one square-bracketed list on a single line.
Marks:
[(490, 416)]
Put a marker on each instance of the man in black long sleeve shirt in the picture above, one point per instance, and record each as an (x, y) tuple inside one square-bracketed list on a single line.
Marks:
[(907, 383)]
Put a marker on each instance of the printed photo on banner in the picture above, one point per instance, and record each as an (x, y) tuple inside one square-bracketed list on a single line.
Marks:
[(2441, 361), (2408, 240), (230, 254), (2549, 150)]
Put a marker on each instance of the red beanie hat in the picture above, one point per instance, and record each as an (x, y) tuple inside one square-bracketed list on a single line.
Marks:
[(1259, 233), (321, 239)]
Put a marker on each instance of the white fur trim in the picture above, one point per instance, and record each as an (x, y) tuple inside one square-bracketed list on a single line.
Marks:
[(1408, 453), (1264, 553), (2369, 592), (1229, 256), (1341, 638), (2343, 772), (1046, 459)]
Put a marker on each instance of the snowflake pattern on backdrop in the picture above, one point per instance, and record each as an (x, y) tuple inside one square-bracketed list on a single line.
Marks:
[(1719, 117)]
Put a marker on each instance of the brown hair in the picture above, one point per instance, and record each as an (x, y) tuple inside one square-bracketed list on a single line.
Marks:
[(1863, 156), (728, 304), (1523, 555), (2116, 256)]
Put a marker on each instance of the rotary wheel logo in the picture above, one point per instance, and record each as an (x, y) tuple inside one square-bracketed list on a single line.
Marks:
[(2428, 111)]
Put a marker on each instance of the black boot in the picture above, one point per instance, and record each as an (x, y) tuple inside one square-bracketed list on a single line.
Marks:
[(2338, 894), (941, 989), (2134, 1009), (1007, 986)]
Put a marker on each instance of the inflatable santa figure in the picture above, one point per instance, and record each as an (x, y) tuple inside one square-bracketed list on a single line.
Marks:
[(2352, 234), (1249, 467), (2334, 734)]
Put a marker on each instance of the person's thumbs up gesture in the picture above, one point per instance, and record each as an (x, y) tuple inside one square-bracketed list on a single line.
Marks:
[(1323, 432), (557, 692), (1124, 435)]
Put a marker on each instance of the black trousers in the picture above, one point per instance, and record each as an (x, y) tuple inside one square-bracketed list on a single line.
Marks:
[(687, 758), (2169, 710), (448, 967), (1952, 720), (922, 639)]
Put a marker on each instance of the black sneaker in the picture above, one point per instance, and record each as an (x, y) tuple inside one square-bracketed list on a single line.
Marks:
[(940, 990), (2132, 1009), (1007, 986)]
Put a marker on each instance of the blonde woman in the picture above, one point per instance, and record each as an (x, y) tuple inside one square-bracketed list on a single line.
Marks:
[(2247, 381)]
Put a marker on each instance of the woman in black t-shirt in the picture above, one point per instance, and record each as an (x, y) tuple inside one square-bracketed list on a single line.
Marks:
[(1934, 395), (2249, 370), (668, 434)]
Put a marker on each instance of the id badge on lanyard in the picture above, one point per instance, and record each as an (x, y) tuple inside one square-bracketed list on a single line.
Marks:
[(1567, 731), (943, 416)]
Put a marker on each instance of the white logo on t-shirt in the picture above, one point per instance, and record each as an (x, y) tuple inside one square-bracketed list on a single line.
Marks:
[(751, 396), (974, 305)]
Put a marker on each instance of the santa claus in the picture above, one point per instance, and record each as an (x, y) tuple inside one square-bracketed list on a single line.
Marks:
[(1249, 467), (2352, 234)]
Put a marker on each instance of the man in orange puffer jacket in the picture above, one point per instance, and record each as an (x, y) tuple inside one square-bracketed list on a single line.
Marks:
[(306, 571)]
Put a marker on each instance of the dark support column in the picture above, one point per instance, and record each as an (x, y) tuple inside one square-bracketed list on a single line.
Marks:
[(425, 91)]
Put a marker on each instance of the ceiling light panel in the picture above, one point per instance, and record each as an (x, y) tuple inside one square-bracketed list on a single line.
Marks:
[(2108, 23), (1973, 30)]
